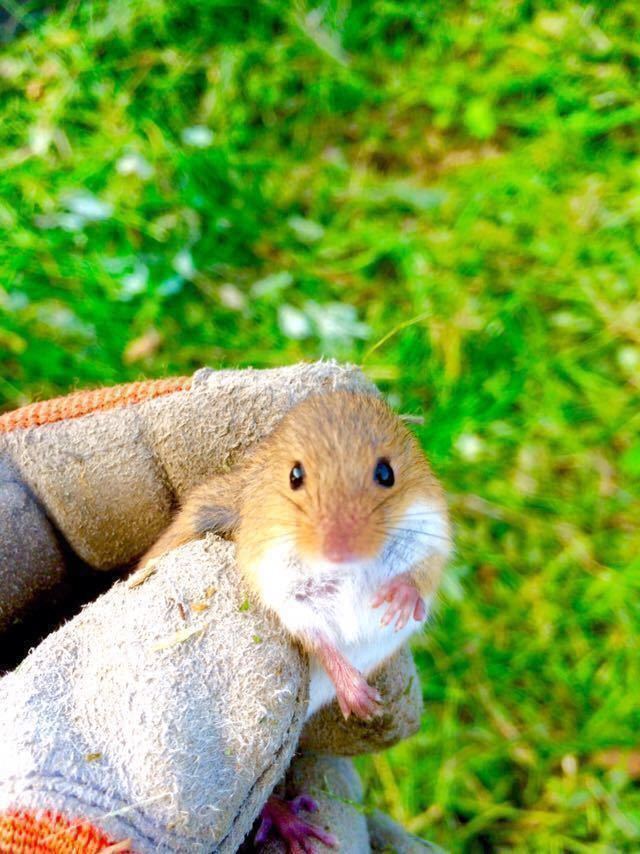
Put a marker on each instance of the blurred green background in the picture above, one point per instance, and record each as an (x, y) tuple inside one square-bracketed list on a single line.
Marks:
[(447, 193)]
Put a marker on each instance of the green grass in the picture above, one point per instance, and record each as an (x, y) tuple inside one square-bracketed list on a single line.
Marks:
[(473, 165)]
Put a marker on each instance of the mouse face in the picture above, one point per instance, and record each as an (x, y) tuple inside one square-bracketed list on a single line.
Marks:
[(340, 479)]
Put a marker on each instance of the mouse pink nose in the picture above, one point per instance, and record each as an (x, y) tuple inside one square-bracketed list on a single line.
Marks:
[(336, 554), (338, 544)]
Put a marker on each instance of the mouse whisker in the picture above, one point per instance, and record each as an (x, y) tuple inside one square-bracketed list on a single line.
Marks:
[(380, 503), (396, 523), (291, 501), (407, 549), (427, 534), (417, 526), (420, 513), (423, 514), (280, 538), (286, 535)]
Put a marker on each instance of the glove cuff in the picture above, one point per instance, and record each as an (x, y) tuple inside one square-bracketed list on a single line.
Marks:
[(26, 832)]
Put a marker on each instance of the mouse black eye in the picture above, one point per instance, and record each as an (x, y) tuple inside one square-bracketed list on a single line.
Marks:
[(383, 473), (296, 476)]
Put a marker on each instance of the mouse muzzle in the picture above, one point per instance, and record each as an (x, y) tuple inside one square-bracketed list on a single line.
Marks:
[(343, 539)]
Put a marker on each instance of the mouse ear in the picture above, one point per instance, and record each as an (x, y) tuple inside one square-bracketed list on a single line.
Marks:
[(214, 506), (216, 519)]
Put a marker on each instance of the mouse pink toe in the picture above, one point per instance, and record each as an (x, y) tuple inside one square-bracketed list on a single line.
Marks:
[(404, 602), (280, 819), (355, 696)]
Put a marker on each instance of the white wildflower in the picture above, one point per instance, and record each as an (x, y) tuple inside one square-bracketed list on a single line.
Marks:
[(87, 206), (469, 446), (134, 283), (183, 264), (336, 322), (40, 140), (271, 285), (198, 136), (293, 322), (629, 359), (232, 297), (133, 163), (306, 230)]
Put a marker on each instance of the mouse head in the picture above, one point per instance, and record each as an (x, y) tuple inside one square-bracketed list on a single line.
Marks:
[(339, 478)]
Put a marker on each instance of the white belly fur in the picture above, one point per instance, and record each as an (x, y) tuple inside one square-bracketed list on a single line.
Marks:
[(335, 600)]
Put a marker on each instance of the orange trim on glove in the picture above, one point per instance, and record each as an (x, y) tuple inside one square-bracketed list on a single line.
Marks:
[(47, 832), (85, 402)]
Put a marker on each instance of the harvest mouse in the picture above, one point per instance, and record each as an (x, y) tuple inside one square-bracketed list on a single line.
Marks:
[(334, 515)]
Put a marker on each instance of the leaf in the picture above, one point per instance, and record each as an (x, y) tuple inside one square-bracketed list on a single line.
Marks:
[(272, 285), (480, 118), (143, 347), (176, 638)]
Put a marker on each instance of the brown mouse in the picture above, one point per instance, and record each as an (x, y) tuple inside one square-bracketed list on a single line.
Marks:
[(334, 514)]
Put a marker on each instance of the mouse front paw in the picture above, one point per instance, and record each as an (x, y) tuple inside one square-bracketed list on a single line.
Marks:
[(404, 601)]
